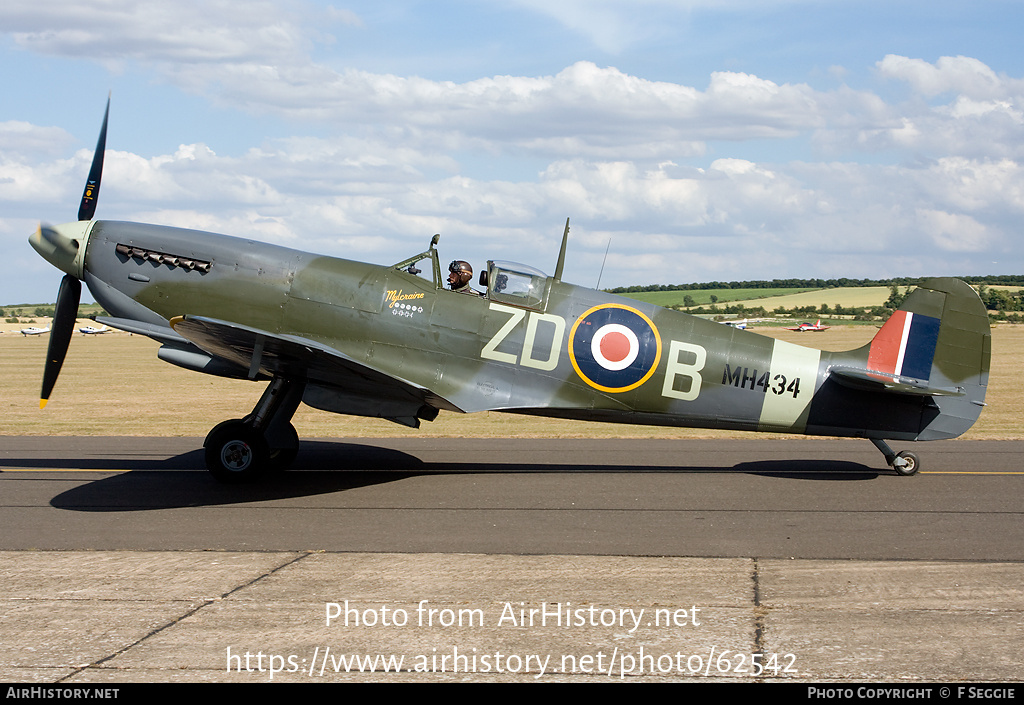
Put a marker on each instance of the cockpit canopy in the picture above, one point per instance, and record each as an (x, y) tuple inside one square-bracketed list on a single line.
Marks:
[(516, 284)]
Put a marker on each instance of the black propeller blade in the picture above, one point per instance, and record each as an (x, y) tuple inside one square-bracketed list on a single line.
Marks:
[(60, 333), (92, 185), (70, 291)]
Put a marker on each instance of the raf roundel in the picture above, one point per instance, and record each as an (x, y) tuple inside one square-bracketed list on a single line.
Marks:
[(614, 348)]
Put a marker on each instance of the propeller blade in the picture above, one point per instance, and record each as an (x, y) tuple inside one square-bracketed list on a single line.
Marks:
[(60, 333), (92, 187)]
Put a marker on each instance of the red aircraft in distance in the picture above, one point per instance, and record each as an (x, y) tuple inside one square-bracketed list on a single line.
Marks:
[(807, 327)]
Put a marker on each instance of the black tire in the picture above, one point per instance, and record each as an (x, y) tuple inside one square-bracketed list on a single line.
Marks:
[(911, 464), (236, 453)]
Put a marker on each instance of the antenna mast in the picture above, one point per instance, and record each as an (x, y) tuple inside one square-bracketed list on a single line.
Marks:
[(561, 253), (601, 273)]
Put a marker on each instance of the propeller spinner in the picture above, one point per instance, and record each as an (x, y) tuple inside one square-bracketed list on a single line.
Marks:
[(64, 247)]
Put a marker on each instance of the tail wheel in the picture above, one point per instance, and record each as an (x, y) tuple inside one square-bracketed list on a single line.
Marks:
[(236, 453), (906, 463)]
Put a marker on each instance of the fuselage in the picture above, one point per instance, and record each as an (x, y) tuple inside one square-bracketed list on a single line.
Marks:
[(554, 348)]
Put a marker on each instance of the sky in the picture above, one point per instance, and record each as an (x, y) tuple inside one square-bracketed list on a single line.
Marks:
[(693, 140)]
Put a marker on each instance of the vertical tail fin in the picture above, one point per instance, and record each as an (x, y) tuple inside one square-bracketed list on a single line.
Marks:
[(936, 348), (940, 335)]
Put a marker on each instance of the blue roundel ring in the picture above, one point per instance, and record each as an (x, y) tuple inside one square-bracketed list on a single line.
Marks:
[(614, 348)]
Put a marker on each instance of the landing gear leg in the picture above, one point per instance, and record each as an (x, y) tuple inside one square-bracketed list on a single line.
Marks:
[(904, 462), (244, 450)]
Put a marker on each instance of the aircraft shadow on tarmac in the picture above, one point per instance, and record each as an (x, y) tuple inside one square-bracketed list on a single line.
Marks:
[(326, 467)]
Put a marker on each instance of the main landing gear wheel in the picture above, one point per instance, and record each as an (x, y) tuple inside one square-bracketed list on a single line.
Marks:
[(244, 450), (236, 452)]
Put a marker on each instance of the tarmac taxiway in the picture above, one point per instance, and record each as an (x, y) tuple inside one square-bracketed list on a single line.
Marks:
[(122, 560)]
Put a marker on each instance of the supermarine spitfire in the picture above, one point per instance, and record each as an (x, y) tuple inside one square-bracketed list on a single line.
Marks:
[(393, 342)]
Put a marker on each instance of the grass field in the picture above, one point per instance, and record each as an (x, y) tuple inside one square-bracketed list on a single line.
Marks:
[(702, 297), (848, 297), (114, 385)]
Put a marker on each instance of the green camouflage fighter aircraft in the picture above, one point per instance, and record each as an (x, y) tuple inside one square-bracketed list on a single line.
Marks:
[(384, 341)]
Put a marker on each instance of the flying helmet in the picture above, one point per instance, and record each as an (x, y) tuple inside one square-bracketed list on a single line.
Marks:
[(463, 273)]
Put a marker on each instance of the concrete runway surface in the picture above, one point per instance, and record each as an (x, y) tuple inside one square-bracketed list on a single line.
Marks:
[(512, 560)]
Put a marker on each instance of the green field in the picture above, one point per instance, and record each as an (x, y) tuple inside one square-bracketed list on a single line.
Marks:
[(770, 299), (788, 298), (27, 311), (847, 297), (702, 297)]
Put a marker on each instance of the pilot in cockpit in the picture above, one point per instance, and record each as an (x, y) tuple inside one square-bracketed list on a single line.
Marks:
[(461, 274)]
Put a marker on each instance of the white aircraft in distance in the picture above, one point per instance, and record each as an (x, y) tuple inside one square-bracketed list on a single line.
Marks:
[(90, 330), (35, 331), (808, 328), (742, 325)]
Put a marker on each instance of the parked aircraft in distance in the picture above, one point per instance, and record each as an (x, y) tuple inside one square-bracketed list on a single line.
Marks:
[(92, 330), (34, 331), (742, 325), (391, 341), (809, 327)]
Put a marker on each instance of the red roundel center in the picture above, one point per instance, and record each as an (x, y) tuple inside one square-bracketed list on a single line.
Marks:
[(615, 346)]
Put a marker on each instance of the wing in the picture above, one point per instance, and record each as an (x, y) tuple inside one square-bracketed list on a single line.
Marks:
[(334, 381)]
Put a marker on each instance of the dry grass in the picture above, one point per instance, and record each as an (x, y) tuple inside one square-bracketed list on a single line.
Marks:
[(114, 385)]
